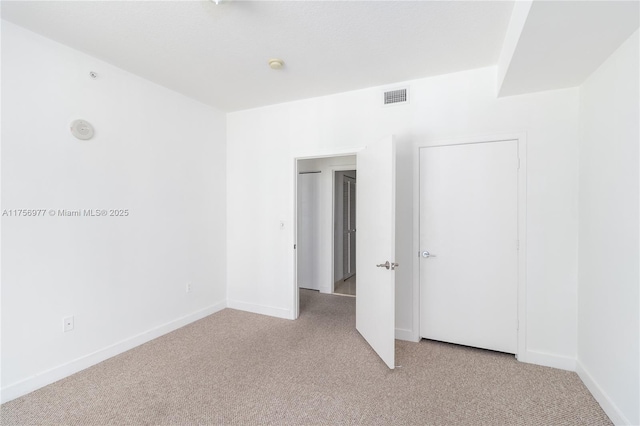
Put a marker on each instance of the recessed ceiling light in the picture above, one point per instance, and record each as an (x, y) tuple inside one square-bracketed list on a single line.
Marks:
[(276, 64)]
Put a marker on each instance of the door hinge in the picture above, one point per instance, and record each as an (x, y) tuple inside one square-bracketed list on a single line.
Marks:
[(518, 163), (294, 246)]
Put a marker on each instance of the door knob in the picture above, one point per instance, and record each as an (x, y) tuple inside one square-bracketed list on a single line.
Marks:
[(388, 265), (426, 254), (384, 265)]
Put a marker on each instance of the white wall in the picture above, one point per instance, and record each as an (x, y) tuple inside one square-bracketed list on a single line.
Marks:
[(156, 153), (608, 313), (263, 142)]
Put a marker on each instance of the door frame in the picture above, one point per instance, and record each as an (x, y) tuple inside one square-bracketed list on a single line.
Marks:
[(295, 293), (335, 169), (521, 139)]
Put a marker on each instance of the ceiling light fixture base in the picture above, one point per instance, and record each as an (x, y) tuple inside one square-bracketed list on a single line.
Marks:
[(276, 64)]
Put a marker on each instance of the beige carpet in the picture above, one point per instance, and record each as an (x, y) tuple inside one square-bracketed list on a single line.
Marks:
[(347, 287), (240, 368)]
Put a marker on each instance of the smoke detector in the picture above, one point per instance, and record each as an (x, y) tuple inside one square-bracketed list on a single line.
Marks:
[(81, 129)]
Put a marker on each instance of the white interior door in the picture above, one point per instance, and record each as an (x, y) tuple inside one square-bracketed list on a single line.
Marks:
[(375, 239), (308, 244), (469, 227)]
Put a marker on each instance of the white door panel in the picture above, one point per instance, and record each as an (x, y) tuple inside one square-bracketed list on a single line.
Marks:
[(375, 242), (469, 225), (308, 244)]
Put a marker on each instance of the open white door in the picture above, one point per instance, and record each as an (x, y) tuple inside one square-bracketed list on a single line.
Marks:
[(375, 242)]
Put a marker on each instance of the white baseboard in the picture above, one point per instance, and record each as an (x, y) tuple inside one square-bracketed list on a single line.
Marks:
[(404, 334), (260, 309), (609, 407), (548, 360), (45, 378)]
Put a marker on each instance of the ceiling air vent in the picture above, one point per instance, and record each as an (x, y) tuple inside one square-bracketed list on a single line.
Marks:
[(397, 96)]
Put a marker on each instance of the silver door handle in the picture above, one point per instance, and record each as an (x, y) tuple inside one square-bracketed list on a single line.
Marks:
[(384, 265), (426, 254), (388, 265)]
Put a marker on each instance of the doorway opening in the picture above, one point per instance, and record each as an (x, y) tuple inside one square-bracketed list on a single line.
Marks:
[(325, 224), (374, 305)]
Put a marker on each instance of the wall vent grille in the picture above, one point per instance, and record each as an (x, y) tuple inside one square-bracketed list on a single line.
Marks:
[(396, 96)]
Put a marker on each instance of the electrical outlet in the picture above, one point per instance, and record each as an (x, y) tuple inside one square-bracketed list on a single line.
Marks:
[(188, 288), (68, 324)]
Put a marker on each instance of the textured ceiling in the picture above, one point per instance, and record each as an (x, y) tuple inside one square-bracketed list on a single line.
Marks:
[(218, 54)]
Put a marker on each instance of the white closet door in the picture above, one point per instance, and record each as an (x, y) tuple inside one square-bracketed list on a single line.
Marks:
[(308, 244), (469, 228)]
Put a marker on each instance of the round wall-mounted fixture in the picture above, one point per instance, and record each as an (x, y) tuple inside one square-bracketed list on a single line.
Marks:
[(276, 64), (81, 129)]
